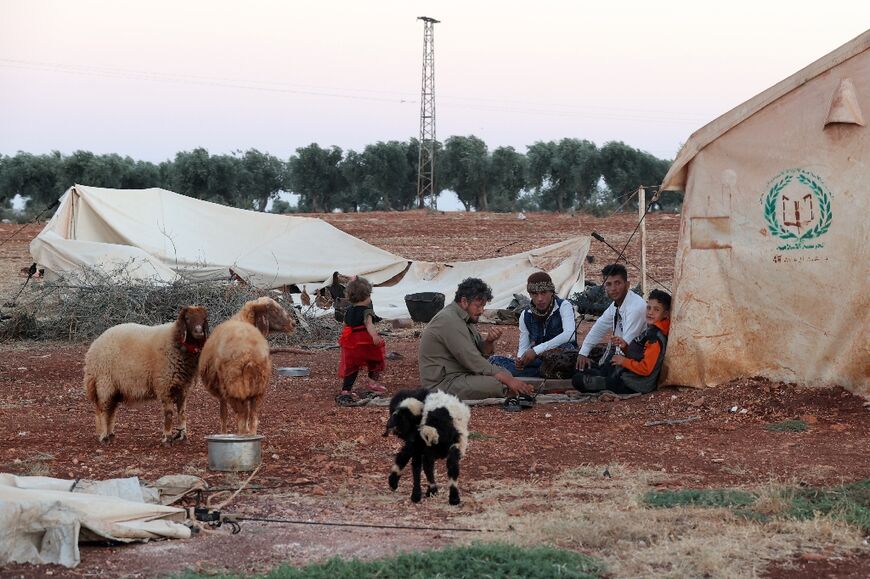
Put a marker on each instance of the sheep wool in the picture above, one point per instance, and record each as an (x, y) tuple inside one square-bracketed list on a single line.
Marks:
[(433, 425), (132, 363), (459, 412), (236, 366)]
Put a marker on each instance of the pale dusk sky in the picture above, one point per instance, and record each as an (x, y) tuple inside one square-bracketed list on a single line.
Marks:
[(148, 79)]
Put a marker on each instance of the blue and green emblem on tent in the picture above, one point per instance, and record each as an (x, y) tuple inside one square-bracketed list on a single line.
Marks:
[(797, 208)]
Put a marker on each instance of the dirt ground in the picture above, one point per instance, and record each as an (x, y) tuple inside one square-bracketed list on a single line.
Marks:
[(325, 463)]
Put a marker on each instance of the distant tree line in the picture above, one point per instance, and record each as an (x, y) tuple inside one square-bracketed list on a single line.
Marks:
[(555, 176)]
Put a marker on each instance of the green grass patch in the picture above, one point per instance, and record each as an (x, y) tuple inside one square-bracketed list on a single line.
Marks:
[(787, 426), (492, 560), (479, 436), (848, 503), (699, 498)]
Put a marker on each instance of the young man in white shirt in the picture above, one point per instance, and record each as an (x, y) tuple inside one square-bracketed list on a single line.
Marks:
[(624, 320)]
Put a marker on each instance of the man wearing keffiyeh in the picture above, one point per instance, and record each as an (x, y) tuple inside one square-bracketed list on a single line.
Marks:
[(547, 323)]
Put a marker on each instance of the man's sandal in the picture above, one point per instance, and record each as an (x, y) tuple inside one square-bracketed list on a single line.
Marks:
[(512, 404), (525, 401), (346, 399)]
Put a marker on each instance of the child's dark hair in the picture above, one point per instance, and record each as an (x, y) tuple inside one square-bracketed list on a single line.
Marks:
[(358, 289), (614, 269), (662, 297)]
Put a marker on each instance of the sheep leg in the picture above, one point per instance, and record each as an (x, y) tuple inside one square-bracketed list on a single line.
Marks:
[(102, 423), (402, 458), (111, 412), (416, 466), (254, 406), (429, 470), (453, 456), (240, 407), (168, 416), (181, 413), (102, 435), (105, 415), (224, 416)]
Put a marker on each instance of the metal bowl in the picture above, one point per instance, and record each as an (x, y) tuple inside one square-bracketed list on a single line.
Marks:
[(295, 372), (234, 452)]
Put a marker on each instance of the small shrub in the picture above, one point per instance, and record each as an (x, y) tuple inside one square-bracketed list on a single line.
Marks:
[(787, 426), (699, 498), (479, 436)]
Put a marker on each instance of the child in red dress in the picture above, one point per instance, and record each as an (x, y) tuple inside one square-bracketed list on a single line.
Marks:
[(361, 345)]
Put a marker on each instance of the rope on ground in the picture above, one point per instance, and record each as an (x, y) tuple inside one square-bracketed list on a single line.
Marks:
[(673, 421), (497, 250), (234, 495)]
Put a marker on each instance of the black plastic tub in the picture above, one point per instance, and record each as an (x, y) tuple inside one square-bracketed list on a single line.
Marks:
[(423, 306)]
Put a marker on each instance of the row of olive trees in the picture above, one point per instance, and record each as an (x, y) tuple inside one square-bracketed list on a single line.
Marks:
[(555, 176)]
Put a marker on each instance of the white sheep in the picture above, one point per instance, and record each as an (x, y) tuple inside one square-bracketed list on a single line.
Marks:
[(131, 363)]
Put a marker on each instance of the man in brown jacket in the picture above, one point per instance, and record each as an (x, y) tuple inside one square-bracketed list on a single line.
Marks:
[(453, 356)]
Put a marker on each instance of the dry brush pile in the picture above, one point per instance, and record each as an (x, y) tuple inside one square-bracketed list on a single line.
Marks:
[(82, 305)]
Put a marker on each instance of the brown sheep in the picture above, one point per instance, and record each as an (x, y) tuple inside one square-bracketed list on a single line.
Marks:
[(131, 363), (235, 365)]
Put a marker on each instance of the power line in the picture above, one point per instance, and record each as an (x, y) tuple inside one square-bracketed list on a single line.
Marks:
[(463, 102)]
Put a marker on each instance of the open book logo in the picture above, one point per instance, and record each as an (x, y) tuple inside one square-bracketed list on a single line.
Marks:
[(797, 208)]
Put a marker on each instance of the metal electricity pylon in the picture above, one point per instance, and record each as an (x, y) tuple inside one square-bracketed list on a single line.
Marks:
[(426, 158)]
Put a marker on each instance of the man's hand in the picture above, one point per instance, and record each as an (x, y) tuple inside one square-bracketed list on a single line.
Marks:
[(619, 343), (527, 358), (493, 335), (617, 360), (377, 340), (583, 362), (515, 387)]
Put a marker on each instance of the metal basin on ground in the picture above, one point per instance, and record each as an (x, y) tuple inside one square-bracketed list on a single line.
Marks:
[(234, 452), (295, 372)]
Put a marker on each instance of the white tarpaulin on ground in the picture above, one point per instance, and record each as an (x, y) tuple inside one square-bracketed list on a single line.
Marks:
[(42, 521), (160, 235), (506, 275), (772, 263)]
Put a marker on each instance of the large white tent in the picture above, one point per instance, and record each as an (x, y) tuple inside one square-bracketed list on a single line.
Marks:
[(161, 235), (772, 263)]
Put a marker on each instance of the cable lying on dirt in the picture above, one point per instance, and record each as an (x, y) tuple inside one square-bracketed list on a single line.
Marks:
[(231, 518)]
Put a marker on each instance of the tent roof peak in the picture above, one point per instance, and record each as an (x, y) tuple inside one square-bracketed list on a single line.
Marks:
[(676, 177)]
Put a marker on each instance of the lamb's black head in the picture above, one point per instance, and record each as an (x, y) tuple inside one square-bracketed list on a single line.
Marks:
[(406, 411)]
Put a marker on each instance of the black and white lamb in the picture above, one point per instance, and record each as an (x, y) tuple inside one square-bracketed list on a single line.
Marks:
[(433, 425)]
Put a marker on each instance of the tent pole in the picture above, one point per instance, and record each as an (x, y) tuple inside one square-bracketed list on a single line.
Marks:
[(641, 210)]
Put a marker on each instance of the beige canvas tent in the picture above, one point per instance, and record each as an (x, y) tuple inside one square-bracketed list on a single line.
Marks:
[(771, 274), (160, 235)]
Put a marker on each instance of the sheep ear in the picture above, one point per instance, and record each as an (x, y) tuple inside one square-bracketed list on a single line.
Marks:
[(261, 320), (181, 321)]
